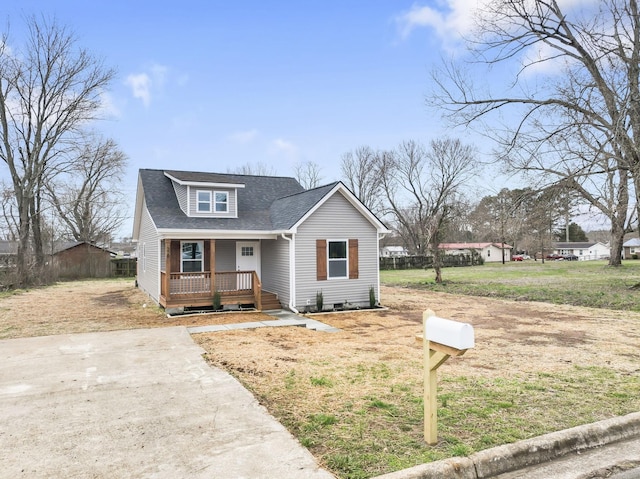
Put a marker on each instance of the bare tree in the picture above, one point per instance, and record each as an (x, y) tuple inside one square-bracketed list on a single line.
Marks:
[(360, 172), (48, 91), (422, 187), (86, 190), (259, 169), (307, 174), (574, 95), (9, 218)]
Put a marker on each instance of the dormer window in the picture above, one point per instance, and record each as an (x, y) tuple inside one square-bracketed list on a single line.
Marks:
[(221, 204), (204, 201)]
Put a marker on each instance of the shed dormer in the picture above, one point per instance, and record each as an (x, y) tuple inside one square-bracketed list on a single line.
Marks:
[(205, 195)]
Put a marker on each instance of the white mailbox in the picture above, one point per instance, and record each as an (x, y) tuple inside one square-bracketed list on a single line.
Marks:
[(450, 333)]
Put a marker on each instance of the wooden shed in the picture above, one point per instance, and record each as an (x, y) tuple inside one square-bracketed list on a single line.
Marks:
[(82, 260)]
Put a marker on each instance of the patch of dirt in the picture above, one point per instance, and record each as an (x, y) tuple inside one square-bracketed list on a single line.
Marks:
[(511, 337), (89, 306)]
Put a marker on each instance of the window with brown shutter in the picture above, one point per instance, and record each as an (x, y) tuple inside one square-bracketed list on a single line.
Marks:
[(334, 258)]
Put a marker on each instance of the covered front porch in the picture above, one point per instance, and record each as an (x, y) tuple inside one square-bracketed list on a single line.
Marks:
[(188, 277)]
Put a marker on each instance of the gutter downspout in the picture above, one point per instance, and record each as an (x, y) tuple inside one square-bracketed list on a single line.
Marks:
[(380, 236), (292, 283)]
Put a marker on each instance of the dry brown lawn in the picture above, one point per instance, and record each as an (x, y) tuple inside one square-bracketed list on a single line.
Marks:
[(90, 306), (511, 337), (300, 374)]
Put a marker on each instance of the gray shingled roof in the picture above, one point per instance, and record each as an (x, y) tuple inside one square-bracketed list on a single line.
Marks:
[(194, 176), (266, 203), (574, 245)]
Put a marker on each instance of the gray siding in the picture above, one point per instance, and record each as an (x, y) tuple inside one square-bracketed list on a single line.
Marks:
[(181, 194), (233, 208), (225, 255), (148, 267), (275, 268), (336, 219)]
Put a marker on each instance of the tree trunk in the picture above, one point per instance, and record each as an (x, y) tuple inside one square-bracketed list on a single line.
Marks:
[(437, 264), (36, 228), (618, 219), (617, 239), (22, 259)]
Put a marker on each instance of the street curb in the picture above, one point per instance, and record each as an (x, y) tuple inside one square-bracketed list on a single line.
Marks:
[(529, 452)]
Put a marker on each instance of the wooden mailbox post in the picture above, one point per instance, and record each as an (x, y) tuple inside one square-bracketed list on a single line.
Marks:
[(441, 338)]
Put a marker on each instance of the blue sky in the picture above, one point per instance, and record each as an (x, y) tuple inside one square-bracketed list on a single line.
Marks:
[(213, 85)]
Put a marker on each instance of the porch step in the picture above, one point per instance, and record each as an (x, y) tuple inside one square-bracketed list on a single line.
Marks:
[(270, 301), (237, 298)]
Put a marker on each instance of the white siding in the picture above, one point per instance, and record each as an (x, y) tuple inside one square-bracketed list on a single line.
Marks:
[(232, 213), (149, 277), (275, 268), (336, 219)]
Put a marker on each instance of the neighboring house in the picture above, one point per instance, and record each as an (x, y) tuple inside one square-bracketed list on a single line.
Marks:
[(490, 252), (82, 260), (631, 247), (252, 238), (8, 253), (584, 250), (393, 251)]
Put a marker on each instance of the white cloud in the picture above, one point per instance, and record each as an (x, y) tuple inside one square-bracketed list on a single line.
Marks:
[(283, 147), (140, 84), (450, 20), (144, 84), (244, 136)]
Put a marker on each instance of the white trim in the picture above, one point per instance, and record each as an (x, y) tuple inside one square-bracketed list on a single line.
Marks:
[(201, 243), (160, 253), (196, 234), (214, 202), (208, 184), (378, 269), (210, 202), (292, 271), (346, 259)]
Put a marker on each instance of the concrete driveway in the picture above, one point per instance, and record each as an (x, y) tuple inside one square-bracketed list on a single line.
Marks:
[(138, 403)]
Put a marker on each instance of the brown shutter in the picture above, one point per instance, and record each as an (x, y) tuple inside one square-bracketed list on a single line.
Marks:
[(175, 256), (321, 260), (353, 259)]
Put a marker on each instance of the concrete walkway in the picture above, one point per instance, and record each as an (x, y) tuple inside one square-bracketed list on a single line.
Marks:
[(139, 403), (284, 318)]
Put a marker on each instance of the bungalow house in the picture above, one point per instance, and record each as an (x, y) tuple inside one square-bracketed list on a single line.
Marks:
[(630, 248), (490, 252), (584, 250), (260, 240)]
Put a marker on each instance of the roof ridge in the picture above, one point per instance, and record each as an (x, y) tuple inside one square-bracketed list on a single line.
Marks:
[(168, 170), (309, 190)]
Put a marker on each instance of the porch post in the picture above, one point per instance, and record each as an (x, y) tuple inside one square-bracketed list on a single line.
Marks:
[(212, 264), (167, 269)]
